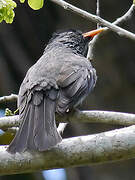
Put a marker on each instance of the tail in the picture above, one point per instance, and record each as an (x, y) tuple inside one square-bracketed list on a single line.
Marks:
[(38, 129)]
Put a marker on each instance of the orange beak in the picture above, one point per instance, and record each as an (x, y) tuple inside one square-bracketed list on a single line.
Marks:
[(93, 33)]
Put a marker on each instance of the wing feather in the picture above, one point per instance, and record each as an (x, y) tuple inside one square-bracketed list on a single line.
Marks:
[(75, 87)]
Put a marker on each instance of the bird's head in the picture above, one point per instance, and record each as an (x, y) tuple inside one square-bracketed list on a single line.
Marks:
[(74, 40)]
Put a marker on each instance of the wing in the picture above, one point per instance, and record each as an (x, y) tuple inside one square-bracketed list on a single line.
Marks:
[(75, 82)]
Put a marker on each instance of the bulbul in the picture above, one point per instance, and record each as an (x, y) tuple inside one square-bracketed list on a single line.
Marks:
[(56, 83)]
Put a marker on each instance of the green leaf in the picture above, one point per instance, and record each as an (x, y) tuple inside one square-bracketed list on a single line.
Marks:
[(22, 1), (36, 4), (6, 10)]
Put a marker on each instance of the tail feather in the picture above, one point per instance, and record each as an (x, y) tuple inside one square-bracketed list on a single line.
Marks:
[(47, 136), (30, 140), (19, 142), (38, 130)]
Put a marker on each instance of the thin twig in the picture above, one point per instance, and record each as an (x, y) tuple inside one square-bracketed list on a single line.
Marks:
[(98, 12), (126, 16), (119, 21), (94, 18), (91, 45)]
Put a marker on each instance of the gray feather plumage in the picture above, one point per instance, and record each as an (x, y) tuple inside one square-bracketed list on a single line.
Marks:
[(58, 81)]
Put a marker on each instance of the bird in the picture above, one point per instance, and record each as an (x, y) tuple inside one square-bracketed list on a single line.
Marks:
[(58, 82)]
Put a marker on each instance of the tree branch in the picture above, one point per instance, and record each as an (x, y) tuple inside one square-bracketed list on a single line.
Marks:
[(95, 149), (119, 21), (126, 16), (9, 121), (107, 117), (94, 18), (92, 42), (12, 97)]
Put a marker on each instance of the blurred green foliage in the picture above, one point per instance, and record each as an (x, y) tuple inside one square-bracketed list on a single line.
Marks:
[(34, 4), (6, 10)]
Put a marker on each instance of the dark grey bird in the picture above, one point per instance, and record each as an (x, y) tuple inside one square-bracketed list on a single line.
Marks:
[(56, 83)]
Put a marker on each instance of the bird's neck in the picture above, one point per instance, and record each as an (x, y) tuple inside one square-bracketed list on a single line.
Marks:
[(67, 46)]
